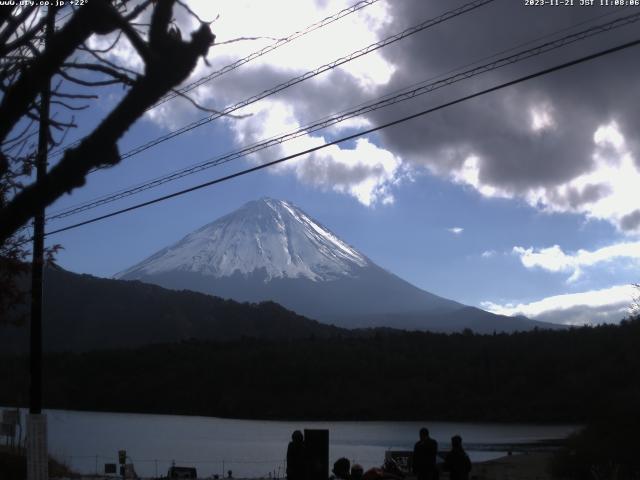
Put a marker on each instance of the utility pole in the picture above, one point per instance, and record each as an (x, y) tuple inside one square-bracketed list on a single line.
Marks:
[(37, 452)]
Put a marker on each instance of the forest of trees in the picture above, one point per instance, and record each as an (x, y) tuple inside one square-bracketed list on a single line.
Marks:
[(577, 375), (90, 313)]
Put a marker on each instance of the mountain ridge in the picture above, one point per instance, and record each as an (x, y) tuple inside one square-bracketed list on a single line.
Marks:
[(271, 250), (281, 236), (84, 313)]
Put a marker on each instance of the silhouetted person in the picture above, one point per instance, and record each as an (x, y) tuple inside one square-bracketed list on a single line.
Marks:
[(457, 461), (424, 457), (341, 468), (296, 457), (356, 471), (391, 470)]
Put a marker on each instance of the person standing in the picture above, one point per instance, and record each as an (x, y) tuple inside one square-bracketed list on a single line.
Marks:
[(424, 457), (296, 461), (457, 461)]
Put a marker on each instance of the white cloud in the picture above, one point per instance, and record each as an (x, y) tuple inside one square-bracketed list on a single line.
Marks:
[(489, 254), (455, 230), (554, 259), (607, 305), (561, 148), (278, 20), (365, 171), (607, 191), (469, 174), (541, 117), (541, 156)]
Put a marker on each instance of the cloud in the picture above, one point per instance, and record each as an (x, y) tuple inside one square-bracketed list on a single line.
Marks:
[(489, 254), (364, 170), (274, 21), (554, 259), (631, 221), (455, 230), (566, 142), (606, 192), (609, 305)]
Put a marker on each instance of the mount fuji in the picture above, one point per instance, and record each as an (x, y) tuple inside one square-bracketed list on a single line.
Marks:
[(271, 250)]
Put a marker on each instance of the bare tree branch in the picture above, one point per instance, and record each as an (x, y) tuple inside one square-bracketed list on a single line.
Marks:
[(96, 16), (168, 62), (84, 47), (19, 135), (138, 10), (69, 106), (74, 96), (205, 109), (14, 23), (91, 83), (101, 69), (193, 14), (24, 38), (112, 64)]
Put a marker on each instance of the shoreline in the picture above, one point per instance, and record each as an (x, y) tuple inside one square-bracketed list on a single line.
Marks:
[(322, 419), (524, 466)]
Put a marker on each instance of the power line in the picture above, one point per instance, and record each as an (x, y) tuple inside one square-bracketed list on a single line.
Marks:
[(356, 135), (252, 56), (107, 198), (279, 43), (308, 75), (312, 73), (348, 114)]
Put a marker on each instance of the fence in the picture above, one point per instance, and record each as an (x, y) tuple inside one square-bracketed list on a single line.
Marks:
[(156, 468)]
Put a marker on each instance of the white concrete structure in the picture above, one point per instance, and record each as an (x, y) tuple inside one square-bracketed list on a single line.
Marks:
[(37, 456)]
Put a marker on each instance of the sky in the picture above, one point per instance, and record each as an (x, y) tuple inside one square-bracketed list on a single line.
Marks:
[(521, 201)]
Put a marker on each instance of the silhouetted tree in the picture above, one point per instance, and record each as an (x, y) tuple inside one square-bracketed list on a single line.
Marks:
[(28, 64), (635, 304), (12, 266)]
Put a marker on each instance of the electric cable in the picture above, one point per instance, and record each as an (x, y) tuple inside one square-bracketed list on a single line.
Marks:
[(306, 76), (337, 118), (252, 56), (401, 120), (263, 51)]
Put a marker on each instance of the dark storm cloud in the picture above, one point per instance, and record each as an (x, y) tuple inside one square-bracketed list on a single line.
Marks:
[(573, 197), (631, 221), (310, 100), (364, 175), (497, 127)]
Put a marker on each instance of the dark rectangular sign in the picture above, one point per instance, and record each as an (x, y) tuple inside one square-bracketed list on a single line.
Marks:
[(317, 450)]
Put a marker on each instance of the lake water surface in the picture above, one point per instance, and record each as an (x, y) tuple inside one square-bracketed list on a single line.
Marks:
[(253, 448)]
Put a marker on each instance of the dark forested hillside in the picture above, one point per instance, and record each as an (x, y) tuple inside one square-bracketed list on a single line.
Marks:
[(572, 376), (82, 313)]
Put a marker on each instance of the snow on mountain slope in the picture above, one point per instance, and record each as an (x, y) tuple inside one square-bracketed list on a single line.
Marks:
[(264, 234), (271, 250)]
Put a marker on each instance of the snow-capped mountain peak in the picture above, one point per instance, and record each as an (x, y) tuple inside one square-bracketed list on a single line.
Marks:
[(272, 236)]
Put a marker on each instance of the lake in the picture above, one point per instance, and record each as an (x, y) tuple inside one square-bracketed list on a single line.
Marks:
[(255, 448)]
